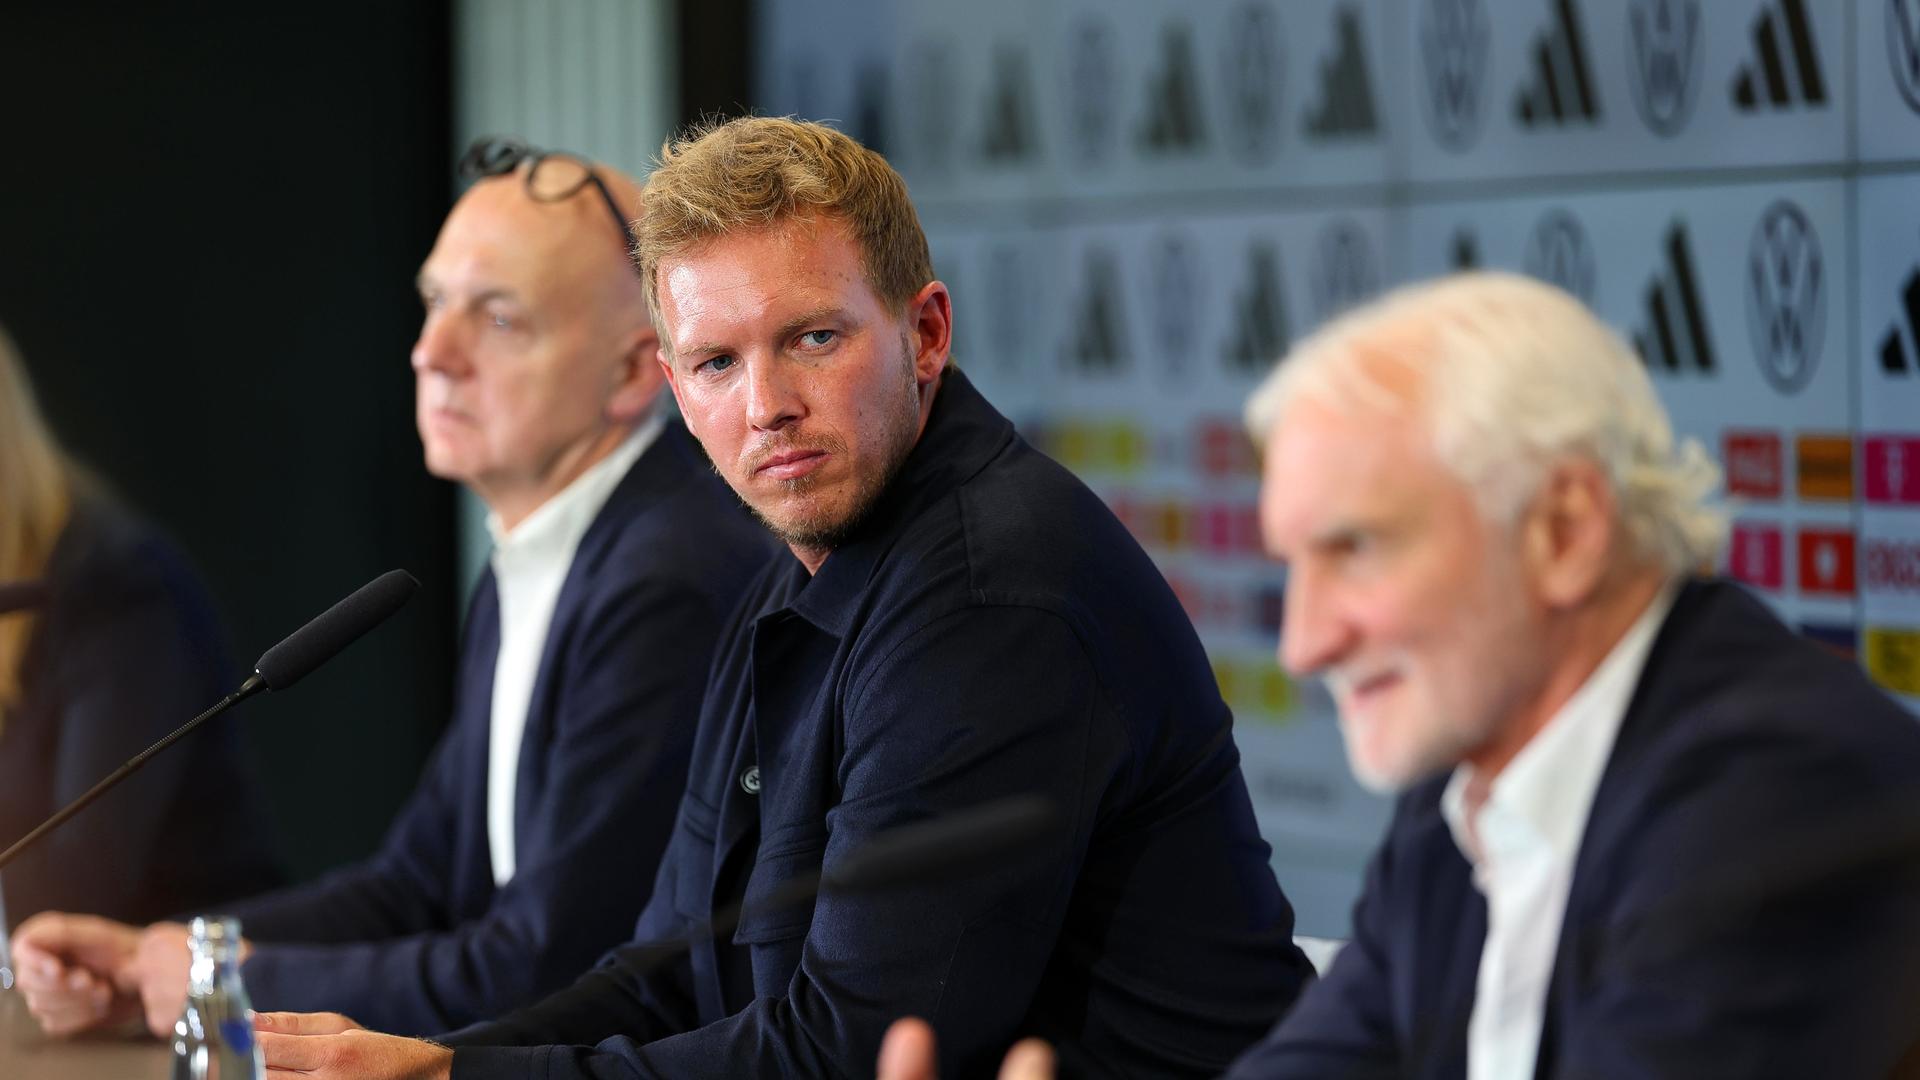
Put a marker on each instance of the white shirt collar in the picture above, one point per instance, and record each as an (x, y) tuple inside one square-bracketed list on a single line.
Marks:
[(556, 526), (530, 566), (1545, 793)]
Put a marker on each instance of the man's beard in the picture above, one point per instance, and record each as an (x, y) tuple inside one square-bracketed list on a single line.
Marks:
[(825, 530)]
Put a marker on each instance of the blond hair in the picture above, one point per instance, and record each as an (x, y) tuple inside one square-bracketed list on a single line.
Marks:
[(759, 172), (36, 497), (1514, 374)]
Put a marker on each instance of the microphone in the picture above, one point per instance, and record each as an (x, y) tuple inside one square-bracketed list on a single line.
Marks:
[(278, 668), (334, 629), (22, 595)]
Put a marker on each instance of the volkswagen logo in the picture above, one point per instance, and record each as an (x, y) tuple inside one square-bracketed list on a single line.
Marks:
[(1252, 73), (1786, 296), (1558, 252), (1453, 47), (1664, 42), (1174, 277), (1903, 48), (1092, 86), (930, 93), (1010, 305), (1346, 273)]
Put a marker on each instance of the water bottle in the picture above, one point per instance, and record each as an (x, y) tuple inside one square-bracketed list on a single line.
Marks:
[(213, 1039)]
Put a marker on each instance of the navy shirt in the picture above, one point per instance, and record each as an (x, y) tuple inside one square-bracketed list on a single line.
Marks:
[(992, 630)]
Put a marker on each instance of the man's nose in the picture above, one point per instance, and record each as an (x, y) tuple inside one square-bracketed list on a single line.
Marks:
[(773, 399), (1313, 634), (440, 348)]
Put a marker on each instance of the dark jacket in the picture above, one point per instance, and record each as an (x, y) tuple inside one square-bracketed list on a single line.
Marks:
[(992, 630), (127, 649), (418, 939), (1746, 901)]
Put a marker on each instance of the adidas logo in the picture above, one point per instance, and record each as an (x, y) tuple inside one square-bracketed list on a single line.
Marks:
[(1895, 359), (1009, 128), (1098, 344), (1675, 338), (1346, 93), (1173, 123), (1562, 88), (1259, 313), (1785, 62)]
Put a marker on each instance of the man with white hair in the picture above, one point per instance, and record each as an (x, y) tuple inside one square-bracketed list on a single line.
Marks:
[(1643, 829)]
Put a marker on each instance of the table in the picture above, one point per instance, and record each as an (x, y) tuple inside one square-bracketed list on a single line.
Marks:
[(25, 1054)]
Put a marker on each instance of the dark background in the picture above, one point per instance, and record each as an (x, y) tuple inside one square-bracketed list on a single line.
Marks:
[(209, 225)]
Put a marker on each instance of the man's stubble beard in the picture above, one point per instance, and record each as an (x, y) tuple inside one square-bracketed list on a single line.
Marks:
[(823, 531)]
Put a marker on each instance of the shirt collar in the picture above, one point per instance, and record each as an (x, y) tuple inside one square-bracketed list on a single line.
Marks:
[(963, 433), (556, 526), (1546, 792)]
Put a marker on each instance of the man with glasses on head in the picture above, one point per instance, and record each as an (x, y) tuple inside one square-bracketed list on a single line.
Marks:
[(531, 844)]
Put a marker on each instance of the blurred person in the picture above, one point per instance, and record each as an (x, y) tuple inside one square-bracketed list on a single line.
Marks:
[(1642, 829), (960, 621), (125, 648), (531, 843)]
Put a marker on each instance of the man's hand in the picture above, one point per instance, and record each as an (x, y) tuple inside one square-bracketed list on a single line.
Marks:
[(328, 1046), (160, 974), (907, 1053), (76, 971)]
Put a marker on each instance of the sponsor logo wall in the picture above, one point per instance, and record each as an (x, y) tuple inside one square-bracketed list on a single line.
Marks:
[(1139, 204)]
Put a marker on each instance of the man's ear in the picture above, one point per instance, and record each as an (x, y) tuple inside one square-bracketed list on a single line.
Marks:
[(637, 380), (930, 328), (1571, 533)]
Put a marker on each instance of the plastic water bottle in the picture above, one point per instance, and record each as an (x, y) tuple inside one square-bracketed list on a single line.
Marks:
[(213, 1039)]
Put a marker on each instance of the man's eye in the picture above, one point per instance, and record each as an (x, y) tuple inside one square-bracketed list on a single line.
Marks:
[(500, 321), (817, 338), (1350, 543), (715, 365)]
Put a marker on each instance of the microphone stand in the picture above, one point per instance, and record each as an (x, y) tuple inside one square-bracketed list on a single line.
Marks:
[(252, 686)]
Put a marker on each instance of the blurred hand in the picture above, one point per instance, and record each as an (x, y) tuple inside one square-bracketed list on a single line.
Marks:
[(328, 1046), (907, 1053), (76, 971), (160, 973)]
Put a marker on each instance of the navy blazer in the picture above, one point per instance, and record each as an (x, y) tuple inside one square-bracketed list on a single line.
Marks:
[(126, 650), (418, 939), (991, 630), (1746, 900)]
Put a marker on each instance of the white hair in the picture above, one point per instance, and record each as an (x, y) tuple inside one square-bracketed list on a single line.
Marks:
[(1514, 375)]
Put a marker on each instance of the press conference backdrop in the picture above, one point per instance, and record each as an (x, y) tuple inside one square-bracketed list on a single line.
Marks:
[(1138, 204)]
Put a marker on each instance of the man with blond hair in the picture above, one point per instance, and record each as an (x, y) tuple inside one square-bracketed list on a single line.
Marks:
[(1643, 829), (961, 621), (531, 841)]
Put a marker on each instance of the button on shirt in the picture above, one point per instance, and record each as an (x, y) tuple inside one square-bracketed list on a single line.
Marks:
[(530, 564), (1522, 842)]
